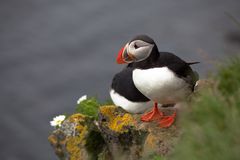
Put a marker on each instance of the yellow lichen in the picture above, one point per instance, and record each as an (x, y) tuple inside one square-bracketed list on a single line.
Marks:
[(117, 122), (108, 110), (73, 149), (77, 118), (75, 144)]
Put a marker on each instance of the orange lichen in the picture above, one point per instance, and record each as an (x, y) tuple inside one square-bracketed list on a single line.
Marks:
[(117, 122)]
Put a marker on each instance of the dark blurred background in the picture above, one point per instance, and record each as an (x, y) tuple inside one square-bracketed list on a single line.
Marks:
[(54, 51)]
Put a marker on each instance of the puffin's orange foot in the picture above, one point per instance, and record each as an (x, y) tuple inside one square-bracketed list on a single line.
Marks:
[(167, 121), (151, 116), (155, 114)]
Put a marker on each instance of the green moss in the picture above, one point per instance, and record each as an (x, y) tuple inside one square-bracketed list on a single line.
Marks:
[(89, 107), (94, 144)]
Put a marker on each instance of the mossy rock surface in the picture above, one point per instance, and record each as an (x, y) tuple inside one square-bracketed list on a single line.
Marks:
[(115, 119), (77, 139), (116, 135), (159, 141), (119, 130)]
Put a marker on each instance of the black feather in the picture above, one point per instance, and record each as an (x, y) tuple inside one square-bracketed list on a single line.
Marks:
[(123, 84), (191, 63)]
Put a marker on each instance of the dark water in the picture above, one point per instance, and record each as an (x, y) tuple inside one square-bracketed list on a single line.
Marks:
[(53, 51)]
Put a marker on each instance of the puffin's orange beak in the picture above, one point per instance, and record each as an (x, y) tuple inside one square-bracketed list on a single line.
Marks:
[(125, 57), (120, 59)]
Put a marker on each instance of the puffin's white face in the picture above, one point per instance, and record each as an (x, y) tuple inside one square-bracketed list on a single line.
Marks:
[(134, 51)]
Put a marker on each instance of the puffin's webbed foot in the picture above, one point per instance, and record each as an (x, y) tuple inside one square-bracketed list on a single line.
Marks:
[(155, 114), (167, 121)]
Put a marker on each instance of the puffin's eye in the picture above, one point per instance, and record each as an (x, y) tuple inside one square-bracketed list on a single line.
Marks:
[(135, 46)]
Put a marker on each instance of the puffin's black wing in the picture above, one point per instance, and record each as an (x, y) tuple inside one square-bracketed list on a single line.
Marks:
[(181, 68), (123, 84)]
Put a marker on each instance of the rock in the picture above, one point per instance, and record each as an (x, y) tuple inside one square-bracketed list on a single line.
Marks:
[(160, 141), (115, 135), (77, 139), (119, 130)]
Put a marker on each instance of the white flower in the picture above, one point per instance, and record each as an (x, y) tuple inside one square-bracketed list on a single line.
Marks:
[(57, 121), (81, 99)]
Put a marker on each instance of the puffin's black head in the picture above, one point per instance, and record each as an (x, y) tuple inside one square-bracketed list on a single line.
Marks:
[(136, 50)]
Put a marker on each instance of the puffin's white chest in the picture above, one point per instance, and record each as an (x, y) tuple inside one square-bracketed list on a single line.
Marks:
[(160, 85)]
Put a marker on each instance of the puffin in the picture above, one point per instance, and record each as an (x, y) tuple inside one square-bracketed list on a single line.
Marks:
[(151, 77)]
